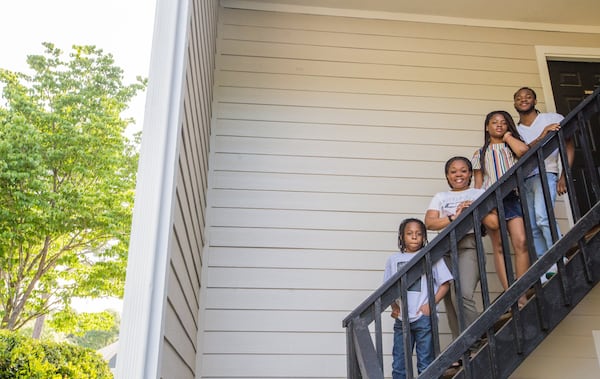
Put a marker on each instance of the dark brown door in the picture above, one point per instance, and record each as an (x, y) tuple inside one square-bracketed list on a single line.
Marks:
[(571, 83)]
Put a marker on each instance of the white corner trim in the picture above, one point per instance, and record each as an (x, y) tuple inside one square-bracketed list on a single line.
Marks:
[(397, 16), (596, 337), (140, 339)]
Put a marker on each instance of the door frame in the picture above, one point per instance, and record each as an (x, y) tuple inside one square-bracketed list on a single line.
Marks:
[(561, 53)]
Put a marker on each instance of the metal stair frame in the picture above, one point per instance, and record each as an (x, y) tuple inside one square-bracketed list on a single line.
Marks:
[(574, 280)]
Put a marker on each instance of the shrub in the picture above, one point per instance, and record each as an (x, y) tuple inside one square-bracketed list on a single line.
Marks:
[(26, 358)]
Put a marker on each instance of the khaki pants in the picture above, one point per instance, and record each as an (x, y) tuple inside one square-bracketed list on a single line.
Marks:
[(469, 276)]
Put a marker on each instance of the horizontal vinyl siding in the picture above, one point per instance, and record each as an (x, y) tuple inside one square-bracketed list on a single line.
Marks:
[(569, 352), (181, 316), (327, 132)]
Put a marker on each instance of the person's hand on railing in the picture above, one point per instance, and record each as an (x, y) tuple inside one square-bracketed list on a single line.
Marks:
[(550, 128), (462, 206)]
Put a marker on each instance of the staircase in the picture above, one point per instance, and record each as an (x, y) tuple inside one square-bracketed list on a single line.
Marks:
[(502, 346)]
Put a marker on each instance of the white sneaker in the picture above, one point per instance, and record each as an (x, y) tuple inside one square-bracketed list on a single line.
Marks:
[(552, 271)]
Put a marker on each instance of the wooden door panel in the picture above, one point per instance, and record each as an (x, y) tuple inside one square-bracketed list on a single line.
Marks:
[(571, 83)]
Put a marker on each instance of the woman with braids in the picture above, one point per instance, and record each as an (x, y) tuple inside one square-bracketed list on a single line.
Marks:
[(412, 237), (443, 209), (501, 149)]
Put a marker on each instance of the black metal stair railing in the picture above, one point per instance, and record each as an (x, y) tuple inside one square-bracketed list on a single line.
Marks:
[(508, 347), (365, 355)]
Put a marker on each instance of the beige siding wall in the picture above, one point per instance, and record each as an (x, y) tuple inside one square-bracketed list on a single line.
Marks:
[(569, 352), (181, 316), (327, 132)]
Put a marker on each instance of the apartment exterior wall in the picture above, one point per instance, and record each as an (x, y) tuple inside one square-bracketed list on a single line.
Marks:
[(328, 131)]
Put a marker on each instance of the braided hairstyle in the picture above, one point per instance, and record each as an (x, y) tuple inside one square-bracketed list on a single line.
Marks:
[(403, 224), (458, 158), (512, 128)]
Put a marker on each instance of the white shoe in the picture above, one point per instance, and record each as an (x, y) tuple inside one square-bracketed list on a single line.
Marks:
[(552, 271)]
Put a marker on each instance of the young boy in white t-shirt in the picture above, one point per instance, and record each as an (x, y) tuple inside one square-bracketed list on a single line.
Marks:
[(412, 236)]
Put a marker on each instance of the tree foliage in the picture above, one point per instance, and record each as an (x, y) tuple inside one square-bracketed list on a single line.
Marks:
[(67, 179), (91, 330)]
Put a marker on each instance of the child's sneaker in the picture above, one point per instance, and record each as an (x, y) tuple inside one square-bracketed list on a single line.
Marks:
[(551, 272)]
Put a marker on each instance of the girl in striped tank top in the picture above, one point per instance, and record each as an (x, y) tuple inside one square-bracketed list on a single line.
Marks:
[(502, 147)]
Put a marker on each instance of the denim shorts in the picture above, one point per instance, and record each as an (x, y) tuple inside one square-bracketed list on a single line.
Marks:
[(512, 206)]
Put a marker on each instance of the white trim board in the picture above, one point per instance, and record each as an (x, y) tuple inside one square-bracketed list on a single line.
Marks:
[(141, 336), (596, 336), (396, 16)]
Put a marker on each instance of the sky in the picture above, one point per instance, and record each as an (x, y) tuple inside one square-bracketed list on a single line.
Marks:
[(120, 27)]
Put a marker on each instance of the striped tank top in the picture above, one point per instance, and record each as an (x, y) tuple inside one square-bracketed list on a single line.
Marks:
[(499, 158)]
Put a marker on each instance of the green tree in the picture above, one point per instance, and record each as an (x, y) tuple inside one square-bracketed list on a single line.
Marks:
[(67, 180), (92, 330)]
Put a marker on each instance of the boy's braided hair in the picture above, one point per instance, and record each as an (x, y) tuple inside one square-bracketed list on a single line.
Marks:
[(403, 224)]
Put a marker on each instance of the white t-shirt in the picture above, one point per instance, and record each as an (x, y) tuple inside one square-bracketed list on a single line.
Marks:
[(417, 292), (447, 202), (529, 133)]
